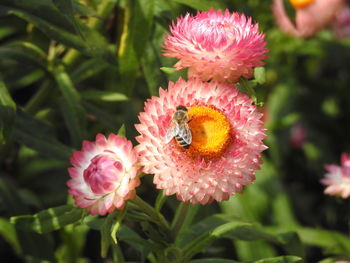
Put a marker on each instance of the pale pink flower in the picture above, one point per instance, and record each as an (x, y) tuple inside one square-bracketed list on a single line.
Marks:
[(104, 174), (341, 24), (216, 46), (297, 135), (310, 16), (226, 143), (338, 178)]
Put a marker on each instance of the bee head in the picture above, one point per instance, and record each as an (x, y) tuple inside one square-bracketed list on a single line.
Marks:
[(181, 107)]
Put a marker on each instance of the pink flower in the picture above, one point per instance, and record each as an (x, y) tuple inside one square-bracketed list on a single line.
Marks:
[(310, 16), (104, 174), (297, 136), (341, 24), (226, 142), (338, 178), (216, 46)]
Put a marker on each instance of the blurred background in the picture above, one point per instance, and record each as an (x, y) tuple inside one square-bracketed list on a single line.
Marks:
[(70, 69)]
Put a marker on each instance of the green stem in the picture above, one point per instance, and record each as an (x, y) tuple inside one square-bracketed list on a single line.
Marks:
[(179, 219), (152, 213)]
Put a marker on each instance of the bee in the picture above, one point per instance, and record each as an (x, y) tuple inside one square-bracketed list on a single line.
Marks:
[(179, 128)]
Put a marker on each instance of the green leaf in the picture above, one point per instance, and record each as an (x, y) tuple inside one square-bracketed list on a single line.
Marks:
[(247, 87), (73, 7), (24, 53), (292, 243), (8, 232), (282, 259), (106, 233), (108, 96), (74, 113), (149, 62), (168, 70), (122, 131), (260, 75), (117, 224), (237, 229), (202, 5), (213, 260), (61, 27), (331, 242), (7, 113), (53, 31), (36, 135), (137, 27), (73, 241), (88, 69), (108, 119), (48, 220), (133, 239)]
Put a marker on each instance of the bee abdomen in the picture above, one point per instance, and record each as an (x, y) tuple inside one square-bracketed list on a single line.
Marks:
[(181, 142)]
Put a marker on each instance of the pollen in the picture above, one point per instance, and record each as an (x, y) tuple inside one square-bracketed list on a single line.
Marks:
[(211, 132), (300, 3)]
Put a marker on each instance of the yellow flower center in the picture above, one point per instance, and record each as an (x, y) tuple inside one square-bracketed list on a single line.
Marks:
[(211, 132), (300, 3)]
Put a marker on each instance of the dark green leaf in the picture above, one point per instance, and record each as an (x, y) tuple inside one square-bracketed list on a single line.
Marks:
[(72, 7), (129, 236), (149, 62), (137, 27), (105, 231), (53, 31), (283, 259), (24, 53), (237, 228), (332, 242), (112, 121), (108, 96), (7, 114), (36, 135), (88, 69), (8, 232), (213, 260), (73, 111), (48, 220), (202, 5), (61, 27), (292, 244)]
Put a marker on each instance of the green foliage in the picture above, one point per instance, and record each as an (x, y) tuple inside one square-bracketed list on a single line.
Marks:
[(73, 68), (48, 220)]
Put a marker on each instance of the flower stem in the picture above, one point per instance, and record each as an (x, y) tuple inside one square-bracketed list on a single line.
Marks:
[(157, 217), (179, 219)]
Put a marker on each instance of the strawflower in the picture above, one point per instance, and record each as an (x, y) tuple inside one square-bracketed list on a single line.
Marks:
[(310, 15), (341, 25), (104, 174), (226, 145), (215, 45), (337, 179)]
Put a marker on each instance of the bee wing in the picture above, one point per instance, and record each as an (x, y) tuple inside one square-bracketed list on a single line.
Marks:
[(172, 131), (185, 133)]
